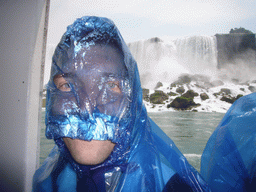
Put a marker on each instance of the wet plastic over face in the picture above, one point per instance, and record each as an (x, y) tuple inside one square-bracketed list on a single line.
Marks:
[(92, 94)]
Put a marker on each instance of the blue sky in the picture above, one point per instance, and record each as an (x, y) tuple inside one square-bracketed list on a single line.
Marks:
[(142, 19)]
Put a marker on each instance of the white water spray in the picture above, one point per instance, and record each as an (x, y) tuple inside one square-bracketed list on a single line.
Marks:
[(166, 61)]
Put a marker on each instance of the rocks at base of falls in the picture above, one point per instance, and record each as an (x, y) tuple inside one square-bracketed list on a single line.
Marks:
[(180, 90), (158, 97), (252, 88), (158, 85), (204, 96), (226, 95), (230, 99), (185, 101), (190, 91)]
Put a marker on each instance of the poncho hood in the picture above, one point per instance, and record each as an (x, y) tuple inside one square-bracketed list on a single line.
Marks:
[(228, 160), (92, 57)]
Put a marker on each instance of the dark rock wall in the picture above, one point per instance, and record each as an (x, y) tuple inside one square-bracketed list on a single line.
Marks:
[(232, 46)]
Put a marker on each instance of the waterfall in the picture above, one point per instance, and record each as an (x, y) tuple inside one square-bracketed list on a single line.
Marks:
[(165, 61), (198, 54)]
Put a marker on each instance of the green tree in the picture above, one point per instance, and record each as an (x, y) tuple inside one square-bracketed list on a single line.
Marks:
[(240, 30)]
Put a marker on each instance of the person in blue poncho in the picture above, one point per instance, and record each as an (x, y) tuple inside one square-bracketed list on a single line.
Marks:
[(94, 112), (229, 159)]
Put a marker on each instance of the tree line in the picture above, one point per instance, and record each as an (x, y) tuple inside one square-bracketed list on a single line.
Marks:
[(240, 30)]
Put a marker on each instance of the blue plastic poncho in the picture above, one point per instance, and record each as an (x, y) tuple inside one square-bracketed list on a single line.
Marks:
[(101, 99), (229, 159)]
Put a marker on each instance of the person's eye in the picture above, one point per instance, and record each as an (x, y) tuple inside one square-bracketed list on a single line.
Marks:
[(64, 87), (114, 86), (61, 83)]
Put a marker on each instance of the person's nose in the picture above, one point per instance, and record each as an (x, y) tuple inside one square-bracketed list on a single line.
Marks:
[(86, 102)]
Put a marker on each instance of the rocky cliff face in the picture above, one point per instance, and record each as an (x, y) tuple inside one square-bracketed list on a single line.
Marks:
[(234, 48)]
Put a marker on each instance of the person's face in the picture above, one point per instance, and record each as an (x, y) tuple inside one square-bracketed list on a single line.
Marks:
[(95, 76)]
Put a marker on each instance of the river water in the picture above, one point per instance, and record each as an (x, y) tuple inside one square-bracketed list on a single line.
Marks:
[(190, 132)]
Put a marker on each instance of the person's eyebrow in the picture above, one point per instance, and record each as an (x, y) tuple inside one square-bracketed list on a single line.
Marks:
[(108, 74), (65, 75), (119, 75), (68, 75)]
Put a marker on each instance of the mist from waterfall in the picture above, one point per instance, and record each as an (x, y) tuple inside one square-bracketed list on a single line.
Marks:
[(164, 61), (242, 67)]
